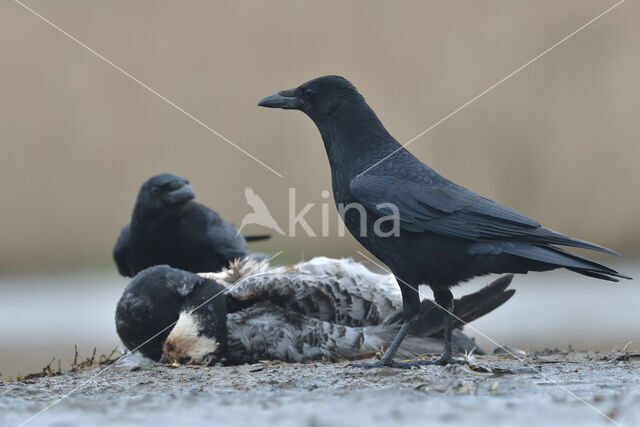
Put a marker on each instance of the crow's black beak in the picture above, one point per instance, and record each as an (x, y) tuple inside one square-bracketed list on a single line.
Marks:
[(180, 195), (284, 99)]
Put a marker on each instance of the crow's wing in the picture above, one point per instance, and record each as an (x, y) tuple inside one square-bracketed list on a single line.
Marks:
[(121, 253), (223, 238), (432, 203)]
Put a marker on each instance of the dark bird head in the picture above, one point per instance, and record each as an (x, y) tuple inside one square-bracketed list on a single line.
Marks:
[(320, 98), (175, 314), (348, 126), (162, 192)]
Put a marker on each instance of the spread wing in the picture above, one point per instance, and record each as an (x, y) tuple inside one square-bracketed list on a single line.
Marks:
[(433, 204)]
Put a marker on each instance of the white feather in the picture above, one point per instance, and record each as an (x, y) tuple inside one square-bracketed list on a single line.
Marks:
[(185, 340)]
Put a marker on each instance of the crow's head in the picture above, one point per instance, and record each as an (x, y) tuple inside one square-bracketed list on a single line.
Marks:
[(320, 98), (163, 192)]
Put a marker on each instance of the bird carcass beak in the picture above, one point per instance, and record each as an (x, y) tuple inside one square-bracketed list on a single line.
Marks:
[(286, 99)]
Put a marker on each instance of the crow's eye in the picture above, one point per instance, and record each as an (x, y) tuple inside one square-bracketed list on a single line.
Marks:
[(155, 191), (308, 93)]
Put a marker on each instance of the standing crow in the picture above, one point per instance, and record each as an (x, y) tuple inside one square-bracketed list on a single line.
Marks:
[(322, 308), (169, 227), (447, 234)]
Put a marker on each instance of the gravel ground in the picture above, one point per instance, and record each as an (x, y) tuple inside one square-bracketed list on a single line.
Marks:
[(495, 390)]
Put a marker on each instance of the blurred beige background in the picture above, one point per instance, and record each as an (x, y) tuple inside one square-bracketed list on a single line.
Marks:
[(558, 141)]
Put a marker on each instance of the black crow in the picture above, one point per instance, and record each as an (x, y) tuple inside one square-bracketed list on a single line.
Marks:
[(446, 234), (168, 227), (323, 308)]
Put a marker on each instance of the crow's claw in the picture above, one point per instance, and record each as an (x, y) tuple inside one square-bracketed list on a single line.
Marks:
[(384, 364), (443, 361)]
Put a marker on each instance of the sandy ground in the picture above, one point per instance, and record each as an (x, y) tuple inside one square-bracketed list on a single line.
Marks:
[(565, 388)]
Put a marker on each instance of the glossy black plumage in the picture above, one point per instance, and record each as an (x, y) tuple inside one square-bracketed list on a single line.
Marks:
[(448, 234), (168, 227)]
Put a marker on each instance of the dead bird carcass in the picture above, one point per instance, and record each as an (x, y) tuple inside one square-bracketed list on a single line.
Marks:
[(324, 308)]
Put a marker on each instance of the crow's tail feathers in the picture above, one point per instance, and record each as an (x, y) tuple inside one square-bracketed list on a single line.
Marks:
[(592, 268), (548, 236), (257, 237), (465, 309), (558, 257)]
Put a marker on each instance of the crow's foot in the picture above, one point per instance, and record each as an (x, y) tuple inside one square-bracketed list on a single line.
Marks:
[(385, 364), (443, 361)]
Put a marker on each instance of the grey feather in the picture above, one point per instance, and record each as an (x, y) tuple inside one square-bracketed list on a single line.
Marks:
[(268, 332), (333, 309)]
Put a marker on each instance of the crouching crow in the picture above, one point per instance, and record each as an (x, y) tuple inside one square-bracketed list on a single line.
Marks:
[(168, 227)]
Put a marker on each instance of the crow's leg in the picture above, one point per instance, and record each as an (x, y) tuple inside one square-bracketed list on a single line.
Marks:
[(444, 298), (410, 311)]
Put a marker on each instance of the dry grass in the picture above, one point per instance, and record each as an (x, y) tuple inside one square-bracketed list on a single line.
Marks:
[(77, 364)]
